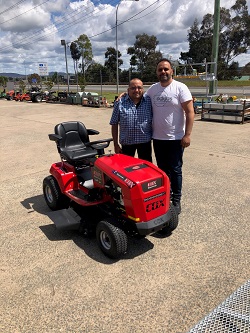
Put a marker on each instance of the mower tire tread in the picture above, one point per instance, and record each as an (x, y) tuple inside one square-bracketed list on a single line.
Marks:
[(173, 223), (53, 196), (112, 240)]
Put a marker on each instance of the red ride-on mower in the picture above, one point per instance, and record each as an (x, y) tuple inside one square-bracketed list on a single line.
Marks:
[(113, 195)]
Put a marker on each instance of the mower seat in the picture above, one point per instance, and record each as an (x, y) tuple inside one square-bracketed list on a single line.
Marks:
[(71, 137)]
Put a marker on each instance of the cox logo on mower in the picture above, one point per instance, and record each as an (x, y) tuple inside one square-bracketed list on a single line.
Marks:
[(154, 205)]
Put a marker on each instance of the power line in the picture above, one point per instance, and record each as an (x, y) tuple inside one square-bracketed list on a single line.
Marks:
[(67, 17), (24, 12), (24, 41), (149, 12), (129, 19), (11, 7)]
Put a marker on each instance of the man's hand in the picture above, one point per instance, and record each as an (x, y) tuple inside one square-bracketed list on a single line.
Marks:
[(185, 141), (188, 107), (120, 96)]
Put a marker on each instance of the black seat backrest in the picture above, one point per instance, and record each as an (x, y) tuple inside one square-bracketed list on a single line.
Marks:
[(74, 134)]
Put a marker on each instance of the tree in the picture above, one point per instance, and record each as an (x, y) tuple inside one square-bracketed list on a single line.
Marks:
[(133, 63), (3, 81), (200, 43), (125, 76), (237, 37), (97, 73), (54, 77), (246, 69), (81, 81), (49, 83), (149, 73), (22, 86), (144, 54), (234, 39), (85, 49), (35, 80), (75, 55), (111, 63)]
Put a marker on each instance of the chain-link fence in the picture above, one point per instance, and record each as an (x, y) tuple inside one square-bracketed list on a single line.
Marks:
[(231, 316)]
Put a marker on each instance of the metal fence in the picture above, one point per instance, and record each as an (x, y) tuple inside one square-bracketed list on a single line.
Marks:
[(231, 316), (240, 92)]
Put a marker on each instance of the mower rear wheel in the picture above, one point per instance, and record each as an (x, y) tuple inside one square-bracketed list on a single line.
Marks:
[(172, 224), (112, 240), (53, 196)]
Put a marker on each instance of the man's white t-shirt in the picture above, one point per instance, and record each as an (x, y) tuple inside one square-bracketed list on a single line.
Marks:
[(168, 115)]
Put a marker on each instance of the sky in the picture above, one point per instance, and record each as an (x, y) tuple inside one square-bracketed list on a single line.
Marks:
[(31, 30)]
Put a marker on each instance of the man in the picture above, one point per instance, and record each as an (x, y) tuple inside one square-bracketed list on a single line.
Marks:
[(132, 117), (173, 117)]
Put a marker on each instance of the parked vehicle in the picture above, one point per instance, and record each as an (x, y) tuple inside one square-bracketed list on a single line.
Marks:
[(37, 96), (112, 195), (11, 94), (43, 96), (51, 96), (22, 97), (62, 96)]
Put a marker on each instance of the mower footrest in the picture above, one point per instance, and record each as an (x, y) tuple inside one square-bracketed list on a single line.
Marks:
[(79, 194), (66, 219)]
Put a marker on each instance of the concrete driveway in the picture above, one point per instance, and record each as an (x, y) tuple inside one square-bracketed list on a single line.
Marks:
[(61, 282)]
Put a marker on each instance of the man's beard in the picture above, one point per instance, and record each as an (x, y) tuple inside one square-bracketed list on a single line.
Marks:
[(164, 78)]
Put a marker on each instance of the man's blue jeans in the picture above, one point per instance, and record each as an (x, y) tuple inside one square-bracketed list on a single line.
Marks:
[(169, 158)]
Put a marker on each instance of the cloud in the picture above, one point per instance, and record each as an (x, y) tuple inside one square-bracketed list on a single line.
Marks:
[(15, 21), (31, 31)]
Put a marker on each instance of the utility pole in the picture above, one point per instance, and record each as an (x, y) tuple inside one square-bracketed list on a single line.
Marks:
[(215, 46), (65, 51)]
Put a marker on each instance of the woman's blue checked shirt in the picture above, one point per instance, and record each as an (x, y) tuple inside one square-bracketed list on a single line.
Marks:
[(135, 123)]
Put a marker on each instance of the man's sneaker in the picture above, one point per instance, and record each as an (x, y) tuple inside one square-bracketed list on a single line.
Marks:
[(177, 206)]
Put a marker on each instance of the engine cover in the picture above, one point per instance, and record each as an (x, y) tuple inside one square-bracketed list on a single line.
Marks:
[(145, 188)]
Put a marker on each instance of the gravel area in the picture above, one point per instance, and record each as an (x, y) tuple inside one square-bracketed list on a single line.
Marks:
[(52, 281)]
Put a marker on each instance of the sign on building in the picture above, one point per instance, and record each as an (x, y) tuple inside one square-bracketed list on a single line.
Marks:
[(43, 69)]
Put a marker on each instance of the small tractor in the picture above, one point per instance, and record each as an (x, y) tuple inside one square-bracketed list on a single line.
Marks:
[(113, 196)]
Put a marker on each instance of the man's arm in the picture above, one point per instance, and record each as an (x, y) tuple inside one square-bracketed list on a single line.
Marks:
[(188, 107), (114, 132)]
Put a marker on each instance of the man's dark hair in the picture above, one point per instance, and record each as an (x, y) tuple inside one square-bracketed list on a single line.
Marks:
[(165, 59)]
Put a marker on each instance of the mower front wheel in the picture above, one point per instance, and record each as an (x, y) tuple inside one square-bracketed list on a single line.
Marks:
[(53, 196), (112, 240), (172, 224)]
